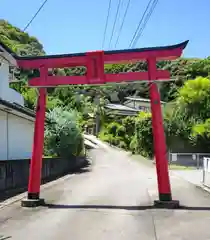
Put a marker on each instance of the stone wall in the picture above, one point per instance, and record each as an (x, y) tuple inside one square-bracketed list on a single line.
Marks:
[(14, 174)]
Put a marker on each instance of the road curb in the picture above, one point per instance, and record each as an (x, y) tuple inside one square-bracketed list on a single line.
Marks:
[(199, 186), (204, 188)]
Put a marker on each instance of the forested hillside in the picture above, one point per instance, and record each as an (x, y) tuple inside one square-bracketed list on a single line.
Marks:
[(181, 121), (18, 41), (181, 69)]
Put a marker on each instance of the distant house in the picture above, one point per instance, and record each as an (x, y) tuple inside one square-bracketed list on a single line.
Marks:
[(119, 109), (131, 107), (141, 104), (16, 121)]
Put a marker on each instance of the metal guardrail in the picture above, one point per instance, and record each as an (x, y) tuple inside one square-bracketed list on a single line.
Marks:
[(206, 171), (188, 159)]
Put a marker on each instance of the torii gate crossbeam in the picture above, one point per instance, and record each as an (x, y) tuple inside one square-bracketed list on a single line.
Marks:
[(94, 63)]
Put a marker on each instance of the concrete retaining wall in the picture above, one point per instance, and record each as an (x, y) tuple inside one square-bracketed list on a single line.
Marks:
[(14, 174)]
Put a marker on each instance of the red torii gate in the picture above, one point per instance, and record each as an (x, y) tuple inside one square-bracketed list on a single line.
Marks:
[(94, 63)]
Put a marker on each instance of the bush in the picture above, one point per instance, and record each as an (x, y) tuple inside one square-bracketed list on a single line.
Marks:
[(111, 139), (133, 144), (63, 135), (112, 128), (129, 125), (144, 136), (114, 134), (200, 135), (187, 121)]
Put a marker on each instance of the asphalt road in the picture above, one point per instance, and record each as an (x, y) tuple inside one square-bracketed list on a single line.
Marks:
[(110, 202)]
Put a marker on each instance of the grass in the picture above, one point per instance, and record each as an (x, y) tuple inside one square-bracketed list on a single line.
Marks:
[(48, 156), (179, 167)]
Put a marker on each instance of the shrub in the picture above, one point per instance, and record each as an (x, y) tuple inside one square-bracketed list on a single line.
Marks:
[(112, 128), (63, 135), (114, 134), (144, 137), (133, 144)]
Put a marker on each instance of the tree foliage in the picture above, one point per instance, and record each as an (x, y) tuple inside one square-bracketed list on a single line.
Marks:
[(18, 41), (144, 137), (194, 98), (63, 135), (186, 115)]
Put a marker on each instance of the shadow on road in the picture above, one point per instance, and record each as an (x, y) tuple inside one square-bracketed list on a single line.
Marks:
[(61, 206), (82, 170), (130, 208), (4, 238)]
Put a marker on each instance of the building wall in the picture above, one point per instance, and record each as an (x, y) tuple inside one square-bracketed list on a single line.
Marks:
[(3, 135), (144, 106), (16, 137), (20, 137), (6, 93)]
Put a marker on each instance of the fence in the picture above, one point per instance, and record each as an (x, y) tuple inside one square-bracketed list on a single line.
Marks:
[(206, 171), (14, 173), (188, 159)]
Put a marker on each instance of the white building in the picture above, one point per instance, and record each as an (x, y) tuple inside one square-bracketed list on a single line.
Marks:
[(16, 121), (142, 104), (119, 109), (131, 107)]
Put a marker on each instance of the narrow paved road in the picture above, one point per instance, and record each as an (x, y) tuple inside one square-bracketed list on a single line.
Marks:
[(104, 204)]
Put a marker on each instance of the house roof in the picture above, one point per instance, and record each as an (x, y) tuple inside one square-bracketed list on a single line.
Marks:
[(7, 54), (18, 108), (138, 99), (120, 107)]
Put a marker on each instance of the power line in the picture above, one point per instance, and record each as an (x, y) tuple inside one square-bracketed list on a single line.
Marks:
[(35, 15), (107, 20), (154, 4), (121, 27), (140, 22), (115, 20), (145, 23)]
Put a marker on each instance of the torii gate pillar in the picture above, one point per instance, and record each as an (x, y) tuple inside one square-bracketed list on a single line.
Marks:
[(164, 189), (33, 198)]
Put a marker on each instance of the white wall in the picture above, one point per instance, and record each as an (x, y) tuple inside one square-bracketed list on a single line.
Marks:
[(3, 135), (16, 137), (138, 105), (20, 137), (6, 92)]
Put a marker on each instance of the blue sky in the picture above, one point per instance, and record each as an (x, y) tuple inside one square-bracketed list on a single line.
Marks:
[(68, 26)]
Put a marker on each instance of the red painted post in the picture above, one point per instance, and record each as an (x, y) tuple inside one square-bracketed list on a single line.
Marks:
[(36, 160), (159, 136)]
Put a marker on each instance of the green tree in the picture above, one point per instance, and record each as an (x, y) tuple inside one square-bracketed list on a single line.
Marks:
[(194, 98)]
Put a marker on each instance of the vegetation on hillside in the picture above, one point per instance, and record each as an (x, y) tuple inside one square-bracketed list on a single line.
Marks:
[(186, 115), (19, 41)]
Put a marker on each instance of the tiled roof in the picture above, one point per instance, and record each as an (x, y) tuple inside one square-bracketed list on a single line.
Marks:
[(120, 107), (18, 108), (138, 99)]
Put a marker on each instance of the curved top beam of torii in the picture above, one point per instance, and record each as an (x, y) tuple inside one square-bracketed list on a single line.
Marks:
[(114, 56), (94, 62)]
